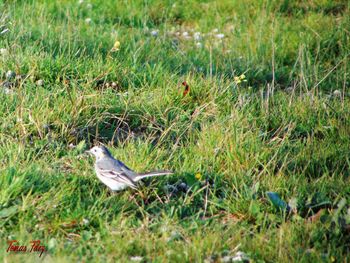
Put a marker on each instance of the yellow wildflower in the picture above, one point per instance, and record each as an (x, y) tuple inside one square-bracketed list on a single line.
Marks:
[(116, 46), (198, 176), (237, 80)]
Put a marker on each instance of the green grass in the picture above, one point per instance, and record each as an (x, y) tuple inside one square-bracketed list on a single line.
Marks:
[(285, 129)]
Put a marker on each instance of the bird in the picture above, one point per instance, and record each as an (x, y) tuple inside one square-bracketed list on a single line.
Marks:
[(114, 173)]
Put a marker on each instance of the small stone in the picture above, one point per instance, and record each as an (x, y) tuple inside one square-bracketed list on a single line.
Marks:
[(170, 188), (114, 85), (154, 33), (39, 82), (7, 84), (136, 258), (183, 187), (10, 74), (7, 91), (46, 127), (212, 258), (337, 93), (185, 34), (226, 259), (290, 89)]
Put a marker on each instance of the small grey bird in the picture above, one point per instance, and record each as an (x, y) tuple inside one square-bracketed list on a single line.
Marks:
[(115, 174)]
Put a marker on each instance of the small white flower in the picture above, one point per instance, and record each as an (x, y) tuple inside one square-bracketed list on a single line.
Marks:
[(71, 146), (88, 20), (10, 74), (240, 257), (80, 2), (154, 33), (215, 30), (85, 221), (89, 6), (197, 36), (3, 51), (186, 35), (199, 45), (220, 36), (39, 82), (216, 150)]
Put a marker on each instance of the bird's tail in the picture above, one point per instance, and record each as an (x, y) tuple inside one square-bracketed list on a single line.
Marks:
[(150, 174)]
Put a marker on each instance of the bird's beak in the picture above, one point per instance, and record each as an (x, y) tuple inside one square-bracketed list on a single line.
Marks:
[(88, 152)]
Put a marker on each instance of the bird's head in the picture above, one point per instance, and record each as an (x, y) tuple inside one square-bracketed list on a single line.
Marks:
[(99, 152)]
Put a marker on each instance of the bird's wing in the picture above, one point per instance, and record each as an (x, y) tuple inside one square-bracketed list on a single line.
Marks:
[(109, 169), (132, 174)]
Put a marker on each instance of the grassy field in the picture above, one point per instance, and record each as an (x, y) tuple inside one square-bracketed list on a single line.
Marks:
[(267, 111)]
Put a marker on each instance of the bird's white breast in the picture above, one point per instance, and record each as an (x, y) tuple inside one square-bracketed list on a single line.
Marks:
[(112, 184)]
